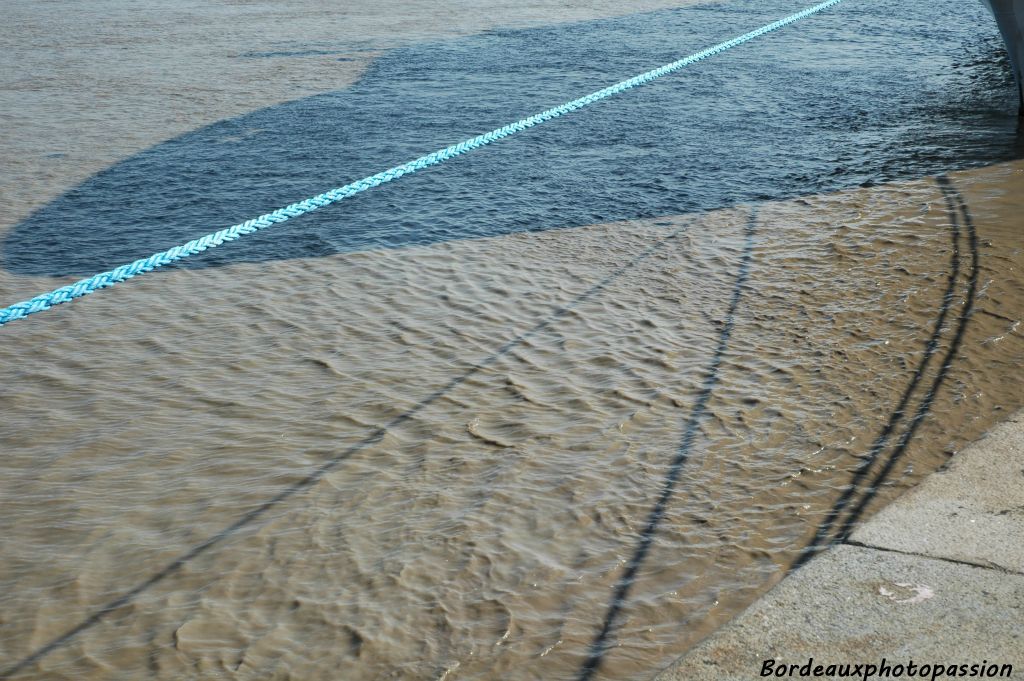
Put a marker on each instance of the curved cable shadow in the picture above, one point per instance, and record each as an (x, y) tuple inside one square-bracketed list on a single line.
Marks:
[(756, 123), (954, 204)]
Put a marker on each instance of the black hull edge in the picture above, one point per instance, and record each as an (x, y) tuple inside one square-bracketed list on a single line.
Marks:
[(1009, 15)]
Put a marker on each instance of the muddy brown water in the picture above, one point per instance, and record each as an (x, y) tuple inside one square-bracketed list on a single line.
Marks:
[(439, 461)]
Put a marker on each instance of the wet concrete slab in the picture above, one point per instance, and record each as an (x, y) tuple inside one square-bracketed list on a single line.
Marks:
[(858, 605), (935, 578), (973, 511)]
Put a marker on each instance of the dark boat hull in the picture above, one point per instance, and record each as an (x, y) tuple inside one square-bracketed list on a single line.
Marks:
[(1009, 15)]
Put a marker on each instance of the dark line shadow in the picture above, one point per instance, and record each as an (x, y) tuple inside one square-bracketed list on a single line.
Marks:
[(820, 538), (954, 201), (250, 519), (621, 593)]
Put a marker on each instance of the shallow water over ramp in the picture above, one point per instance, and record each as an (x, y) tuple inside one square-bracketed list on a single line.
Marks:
[(485, 534), (437, 459)]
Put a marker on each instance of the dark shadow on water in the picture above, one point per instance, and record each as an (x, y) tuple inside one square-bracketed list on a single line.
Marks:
[(866, 93)]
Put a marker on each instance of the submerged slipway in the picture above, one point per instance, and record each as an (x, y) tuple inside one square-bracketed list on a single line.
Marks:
[(773, 291)]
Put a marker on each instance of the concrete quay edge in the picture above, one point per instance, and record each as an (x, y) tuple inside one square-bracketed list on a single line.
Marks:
[(937, 577)]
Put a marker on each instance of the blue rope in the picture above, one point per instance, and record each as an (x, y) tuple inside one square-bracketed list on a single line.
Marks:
[(104, 279)]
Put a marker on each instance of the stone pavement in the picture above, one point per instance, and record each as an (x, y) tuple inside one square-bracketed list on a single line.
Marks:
[(935, 578)]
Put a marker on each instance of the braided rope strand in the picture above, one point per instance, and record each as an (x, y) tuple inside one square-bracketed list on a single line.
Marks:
[(109, 278)]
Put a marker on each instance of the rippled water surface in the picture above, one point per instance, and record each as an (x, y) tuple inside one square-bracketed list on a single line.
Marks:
[(823, 107), (555, 410)]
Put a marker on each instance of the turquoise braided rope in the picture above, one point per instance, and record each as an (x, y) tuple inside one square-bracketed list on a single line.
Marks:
[(104, 279)]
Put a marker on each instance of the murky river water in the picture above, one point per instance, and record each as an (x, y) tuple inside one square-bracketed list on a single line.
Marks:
[(555, 410)]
